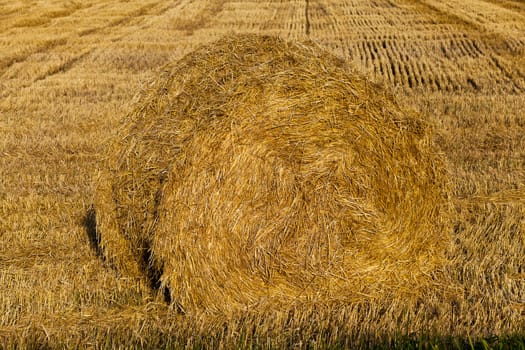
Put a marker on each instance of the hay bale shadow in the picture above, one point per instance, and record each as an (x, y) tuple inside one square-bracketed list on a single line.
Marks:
[(90, 224), (152, 274)]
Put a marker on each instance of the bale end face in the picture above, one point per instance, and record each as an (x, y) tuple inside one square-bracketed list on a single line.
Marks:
[(257, 169)]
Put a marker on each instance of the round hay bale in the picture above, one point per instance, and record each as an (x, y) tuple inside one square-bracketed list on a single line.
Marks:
[(258, 169)]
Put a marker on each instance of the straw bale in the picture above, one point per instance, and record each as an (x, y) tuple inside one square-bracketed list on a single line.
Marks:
[(257, 170)]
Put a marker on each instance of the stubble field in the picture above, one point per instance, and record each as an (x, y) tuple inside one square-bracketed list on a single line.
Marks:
[(69, 71)]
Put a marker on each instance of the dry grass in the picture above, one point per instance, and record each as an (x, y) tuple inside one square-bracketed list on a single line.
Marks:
[(66, 83), (289, 177)]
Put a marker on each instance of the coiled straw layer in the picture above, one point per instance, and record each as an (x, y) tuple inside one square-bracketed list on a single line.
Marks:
[(256, 170)]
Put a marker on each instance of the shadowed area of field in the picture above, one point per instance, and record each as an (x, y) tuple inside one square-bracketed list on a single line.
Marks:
[(69, 72)]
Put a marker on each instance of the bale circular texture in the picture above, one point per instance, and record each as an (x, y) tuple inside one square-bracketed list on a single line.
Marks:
[(256, 169)]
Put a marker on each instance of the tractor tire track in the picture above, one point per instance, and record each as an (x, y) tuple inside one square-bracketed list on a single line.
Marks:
[(504, 45), (509, 4), (155, 9), (62, 68), (307, 18), (6, 63), (477, 43)]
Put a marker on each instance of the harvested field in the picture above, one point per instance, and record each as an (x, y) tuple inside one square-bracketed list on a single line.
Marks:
[(69, 74)]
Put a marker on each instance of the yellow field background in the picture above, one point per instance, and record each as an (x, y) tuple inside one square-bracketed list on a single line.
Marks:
[(69, 71)]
